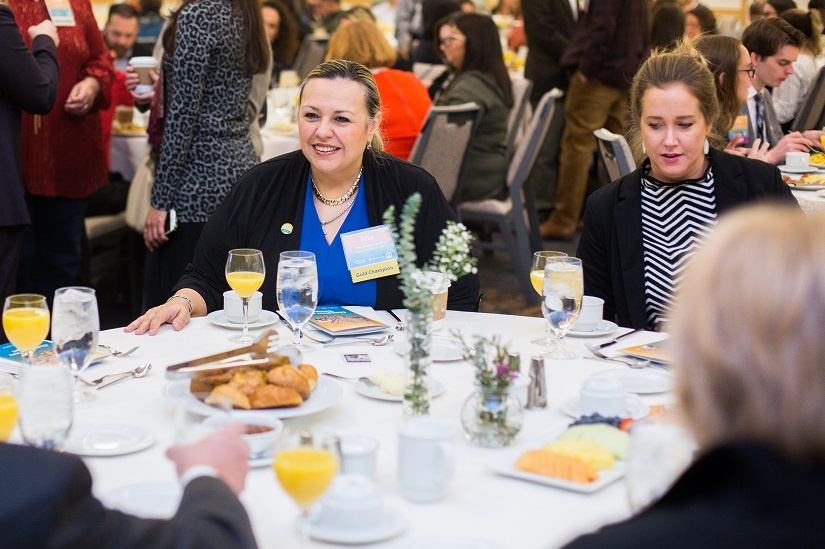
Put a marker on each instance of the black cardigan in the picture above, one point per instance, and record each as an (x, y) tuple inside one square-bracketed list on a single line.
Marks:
[(273, 193), (611, 243)]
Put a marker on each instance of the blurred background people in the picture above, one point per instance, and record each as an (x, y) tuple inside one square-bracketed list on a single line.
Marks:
[(667, 26), (212, 50), (63, 156), (788, 97), (28, 82), (326, 16), (404, 99), (281, 29), (700, 20), (120, 34), (151, 22), (470, 45), (756, 10), (774, 8)]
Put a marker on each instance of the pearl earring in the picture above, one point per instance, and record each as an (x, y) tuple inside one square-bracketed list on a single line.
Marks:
[(706, 147)]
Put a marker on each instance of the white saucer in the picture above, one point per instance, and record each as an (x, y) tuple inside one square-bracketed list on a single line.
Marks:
[(603, 328), (218, 318), (794, 169), (441, 350), (388, 526), (261, 461), (108, 440), (157, 500), (435, 387), (644, 381), (634, 408)]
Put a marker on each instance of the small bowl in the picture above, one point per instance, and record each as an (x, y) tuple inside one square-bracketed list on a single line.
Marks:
[(602, 394), (353, 502), (261, 433)]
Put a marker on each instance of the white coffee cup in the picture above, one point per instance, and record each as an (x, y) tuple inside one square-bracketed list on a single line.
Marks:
[(602, 394), (439, 285), (358, 455), (797, 159), (353, 502), (143, 66), (426, 459), (590, 315), (233, 307)]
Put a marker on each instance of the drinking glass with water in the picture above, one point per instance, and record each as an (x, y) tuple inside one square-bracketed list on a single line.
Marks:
[(297, 287)]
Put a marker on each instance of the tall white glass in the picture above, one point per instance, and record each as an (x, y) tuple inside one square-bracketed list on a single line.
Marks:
[(561, 303), (44, 398), (297, 287), (537, 280), (75, 329)]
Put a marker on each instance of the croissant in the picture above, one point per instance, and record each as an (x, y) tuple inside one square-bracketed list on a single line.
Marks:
[(289, 376), (275, 396)]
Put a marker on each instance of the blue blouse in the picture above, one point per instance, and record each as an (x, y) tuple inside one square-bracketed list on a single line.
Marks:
[(335, 285)]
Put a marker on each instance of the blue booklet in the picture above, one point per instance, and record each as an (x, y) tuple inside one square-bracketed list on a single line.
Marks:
[(338, 321)]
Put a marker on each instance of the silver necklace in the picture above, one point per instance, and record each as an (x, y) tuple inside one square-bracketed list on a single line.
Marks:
[(339, 214), (337, 201)]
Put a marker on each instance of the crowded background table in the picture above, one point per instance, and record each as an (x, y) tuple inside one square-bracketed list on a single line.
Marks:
[(479, 506)]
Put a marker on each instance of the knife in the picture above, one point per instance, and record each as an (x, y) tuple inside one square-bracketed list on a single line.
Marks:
[(616, 340)]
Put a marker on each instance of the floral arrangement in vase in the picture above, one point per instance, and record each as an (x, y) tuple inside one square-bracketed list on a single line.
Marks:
[(451, 259)]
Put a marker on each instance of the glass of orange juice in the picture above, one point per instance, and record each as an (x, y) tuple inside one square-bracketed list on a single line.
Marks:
[(305, 472), (26, 322), (8, 407), (245, 272), (537, 279)]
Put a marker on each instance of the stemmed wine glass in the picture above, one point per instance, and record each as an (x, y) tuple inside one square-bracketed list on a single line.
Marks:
[(305, 472), (26, 322), (75, 329), (245, 272), (562, 298), (297, 287), (537, 278)]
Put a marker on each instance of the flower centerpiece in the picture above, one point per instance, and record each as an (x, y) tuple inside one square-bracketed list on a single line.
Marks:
[(451, 259), (491, 416)]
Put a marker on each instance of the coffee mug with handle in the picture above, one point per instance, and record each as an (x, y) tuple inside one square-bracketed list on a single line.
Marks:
[(426, 459)]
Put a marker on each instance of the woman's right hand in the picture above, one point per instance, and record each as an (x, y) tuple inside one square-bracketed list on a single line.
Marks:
[(174, 312), (154, 233)]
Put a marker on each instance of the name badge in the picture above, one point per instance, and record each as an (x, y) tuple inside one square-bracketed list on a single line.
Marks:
[(60, 12), (370, 253), (740, 125)]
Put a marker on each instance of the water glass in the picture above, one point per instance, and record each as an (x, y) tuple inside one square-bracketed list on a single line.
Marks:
[(537, 280), (75, 330), (297, 287), (44, 398), (562, 292)]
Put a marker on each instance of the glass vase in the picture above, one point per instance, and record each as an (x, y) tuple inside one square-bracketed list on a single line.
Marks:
[(417, 361), (492, 417)]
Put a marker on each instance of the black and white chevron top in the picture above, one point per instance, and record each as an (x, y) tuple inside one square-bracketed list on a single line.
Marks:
[(675, 219)]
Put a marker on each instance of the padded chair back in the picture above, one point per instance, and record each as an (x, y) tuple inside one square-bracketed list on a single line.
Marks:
[(311, 54), (442, 145), (522, 87), (615, 153), (811, 115)]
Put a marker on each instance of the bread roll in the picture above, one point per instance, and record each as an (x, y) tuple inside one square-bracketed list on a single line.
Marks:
[(275, 396), (310, 373), (226, 395), (288, 376), (246, 381)]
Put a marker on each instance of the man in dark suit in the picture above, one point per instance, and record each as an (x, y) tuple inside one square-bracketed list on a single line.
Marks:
[(47, 501), (120, 34), (549, 26)]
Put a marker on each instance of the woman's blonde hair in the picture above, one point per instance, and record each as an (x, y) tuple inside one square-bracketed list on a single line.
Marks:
[(747, 333), (363, 42), (683, 65)]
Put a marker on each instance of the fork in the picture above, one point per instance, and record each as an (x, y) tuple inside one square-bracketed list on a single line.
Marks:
[(630, 361), (365, 380), (117, 353)]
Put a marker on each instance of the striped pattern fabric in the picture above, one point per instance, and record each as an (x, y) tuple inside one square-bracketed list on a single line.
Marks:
[(675, 220)]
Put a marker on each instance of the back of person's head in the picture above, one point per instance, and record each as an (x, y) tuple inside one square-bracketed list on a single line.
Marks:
[(341, 69), (482, 50), (757, 10), (150, 6), (774, 8), (767, 36), (808, 23), (358, 13), (707, 21), (722, 55), (361, 42), (286, 43), (667, 26), (747, 333), (685, 66), (818, 5), (127, 11)]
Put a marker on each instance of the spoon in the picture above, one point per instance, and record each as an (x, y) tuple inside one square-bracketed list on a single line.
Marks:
[(140, 371), (376, 342), (117, 353)]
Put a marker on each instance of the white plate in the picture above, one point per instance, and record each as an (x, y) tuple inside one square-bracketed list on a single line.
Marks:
[(634, 408), (388, 526), (156, 500), (603, 328), (806, 187), (262, 461), (442, 349), (504, 464), (218, 318), (793, 169), (107, 440), (644, 381), (326, 394), (435, 387)]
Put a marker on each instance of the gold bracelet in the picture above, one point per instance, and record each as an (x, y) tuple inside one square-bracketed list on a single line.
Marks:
[(188, 301)]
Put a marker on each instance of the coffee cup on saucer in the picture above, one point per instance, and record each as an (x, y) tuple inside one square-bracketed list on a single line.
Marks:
[(358, 455), (233, 307), (603, 394), (798, 160), (590, 315), (353, 502)]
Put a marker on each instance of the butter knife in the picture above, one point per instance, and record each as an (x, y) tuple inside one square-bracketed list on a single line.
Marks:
[(616, 340)]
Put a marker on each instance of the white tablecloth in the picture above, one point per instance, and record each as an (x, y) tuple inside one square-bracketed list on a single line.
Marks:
[(480, 505), (810, 201)]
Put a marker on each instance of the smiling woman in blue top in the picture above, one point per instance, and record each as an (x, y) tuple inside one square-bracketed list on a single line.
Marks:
[(339, 182)]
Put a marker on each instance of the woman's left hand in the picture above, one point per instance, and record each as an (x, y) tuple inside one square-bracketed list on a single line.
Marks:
[(82, 96), (154, 234)]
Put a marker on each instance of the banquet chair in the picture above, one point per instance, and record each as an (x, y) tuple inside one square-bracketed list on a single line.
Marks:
[(445, 138), (615, 153), (515, 123), (109, 244), (312, 53), (516, 215), (811, 115)]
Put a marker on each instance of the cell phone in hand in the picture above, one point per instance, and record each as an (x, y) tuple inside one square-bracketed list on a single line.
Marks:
[(171, 222)]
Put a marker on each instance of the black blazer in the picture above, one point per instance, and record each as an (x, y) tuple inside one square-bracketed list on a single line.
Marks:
[(548, 25), (47, 502), (611, 243)]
